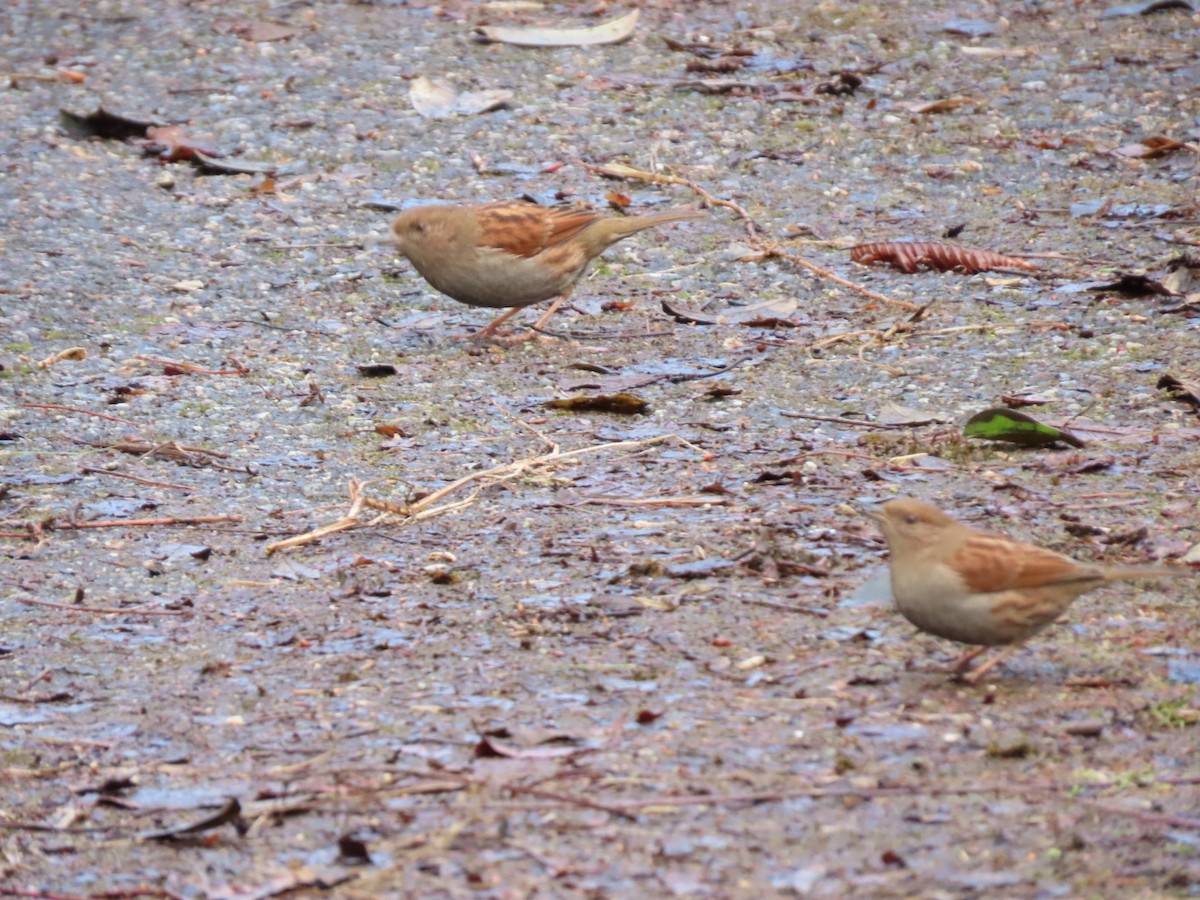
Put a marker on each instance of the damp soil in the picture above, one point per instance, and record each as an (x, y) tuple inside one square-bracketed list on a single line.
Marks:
[(617, 655)]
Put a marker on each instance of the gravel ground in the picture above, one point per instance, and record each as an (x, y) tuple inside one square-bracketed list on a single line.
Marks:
[(632, 655)]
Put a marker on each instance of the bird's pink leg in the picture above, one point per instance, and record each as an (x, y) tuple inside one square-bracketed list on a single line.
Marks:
[(491, 332), (975, 674)]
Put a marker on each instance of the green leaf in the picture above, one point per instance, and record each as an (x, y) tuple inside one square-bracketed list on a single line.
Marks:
[(1000, 424)]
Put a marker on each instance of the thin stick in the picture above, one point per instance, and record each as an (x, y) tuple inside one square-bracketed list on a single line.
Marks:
[(578, 801), (142, 523), (347, 521), (426, 508), (770, 248), (773, 249), (1148, 817), (858, 423), (787, 607), (190, 367), (694, 500), (103, 610), (84, 412), (88, 470)]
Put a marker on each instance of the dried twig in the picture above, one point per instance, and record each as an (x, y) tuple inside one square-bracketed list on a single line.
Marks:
[(425, 507), (88, 470), (103, 610), (767, 247), (192, 368), (82, 412), (143, 523)]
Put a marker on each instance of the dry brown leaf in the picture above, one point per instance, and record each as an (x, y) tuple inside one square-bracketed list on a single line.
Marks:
[(1150, 148)]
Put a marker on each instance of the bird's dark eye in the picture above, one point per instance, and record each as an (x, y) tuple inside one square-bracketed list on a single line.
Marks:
[(910, 519), (419, 226)]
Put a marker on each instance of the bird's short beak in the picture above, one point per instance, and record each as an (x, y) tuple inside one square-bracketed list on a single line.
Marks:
[(874, 515)]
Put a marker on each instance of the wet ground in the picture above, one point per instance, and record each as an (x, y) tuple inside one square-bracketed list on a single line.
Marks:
[(622, 655)]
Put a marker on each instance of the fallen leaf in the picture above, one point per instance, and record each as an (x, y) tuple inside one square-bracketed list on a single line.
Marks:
[(613, 31), (1188, 391), (1150, 148), (999, 424), (102, 124), (231, 812), (1132, 286), (946, 104), (556, 748), (438, 99), (619, 404), (1145, 8)]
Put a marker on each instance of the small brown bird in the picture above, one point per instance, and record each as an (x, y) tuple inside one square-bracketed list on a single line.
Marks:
[(975, 587), (511, 253)]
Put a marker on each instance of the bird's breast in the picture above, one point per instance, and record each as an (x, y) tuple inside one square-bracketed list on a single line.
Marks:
[(498, 279)]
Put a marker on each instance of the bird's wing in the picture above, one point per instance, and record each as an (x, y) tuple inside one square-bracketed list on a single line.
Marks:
[(526, 229), (992, 563)]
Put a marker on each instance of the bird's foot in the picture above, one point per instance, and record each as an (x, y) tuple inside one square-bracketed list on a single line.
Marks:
[(503, 338)]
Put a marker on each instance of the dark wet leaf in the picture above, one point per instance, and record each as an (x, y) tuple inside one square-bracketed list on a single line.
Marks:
[(376, 370), (103, 124), (617, 404), (720, 393), (1082, 467), (230, 813), (1132, 286), (647, 716), (352, 851), (999, 424), (1188, 391), (117, 784), (844, 85), (1145, 8), (892, 858)]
